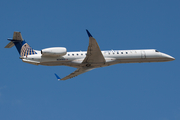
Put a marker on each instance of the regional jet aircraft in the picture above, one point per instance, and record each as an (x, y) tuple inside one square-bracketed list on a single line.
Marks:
[(84, 61)]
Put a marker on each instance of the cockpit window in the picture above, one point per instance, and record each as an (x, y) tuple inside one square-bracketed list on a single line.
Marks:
[(156, 50)]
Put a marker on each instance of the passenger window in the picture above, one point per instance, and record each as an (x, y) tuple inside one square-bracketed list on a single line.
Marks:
[(68, 54), (121, 52), (126, 52), (77, 54), (117, 52), (72, 54), (81, 54)]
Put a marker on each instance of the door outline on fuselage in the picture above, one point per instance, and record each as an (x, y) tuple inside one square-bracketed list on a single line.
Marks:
[(143, 54)]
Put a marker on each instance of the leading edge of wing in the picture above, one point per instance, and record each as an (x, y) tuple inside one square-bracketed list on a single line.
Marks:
[(75, 73)]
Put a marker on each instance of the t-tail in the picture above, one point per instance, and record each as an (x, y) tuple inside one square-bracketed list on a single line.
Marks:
[(23, 48)]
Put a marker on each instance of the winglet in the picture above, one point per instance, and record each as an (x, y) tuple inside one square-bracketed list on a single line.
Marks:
[(57, 76), (89, 34)]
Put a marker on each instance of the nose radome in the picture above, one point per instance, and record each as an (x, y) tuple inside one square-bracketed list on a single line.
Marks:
[(168, 56)]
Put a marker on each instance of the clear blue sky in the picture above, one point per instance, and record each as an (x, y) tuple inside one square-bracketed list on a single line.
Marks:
[(140, 91)]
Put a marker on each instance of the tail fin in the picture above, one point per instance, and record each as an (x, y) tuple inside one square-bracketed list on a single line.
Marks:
[(23, 48), (16, 36)]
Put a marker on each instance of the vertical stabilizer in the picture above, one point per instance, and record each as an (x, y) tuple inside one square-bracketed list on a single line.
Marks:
[(23, 48)]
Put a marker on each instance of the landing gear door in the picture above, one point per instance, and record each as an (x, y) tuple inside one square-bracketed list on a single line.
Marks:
[(143, 54)]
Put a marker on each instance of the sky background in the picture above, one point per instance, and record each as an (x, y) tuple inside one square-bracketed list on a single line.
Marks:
[(136, 91)]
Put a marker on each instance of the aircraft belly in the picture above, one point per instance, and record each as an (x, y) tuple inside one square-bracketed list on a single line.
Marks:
[(141, 60), (57, 63)]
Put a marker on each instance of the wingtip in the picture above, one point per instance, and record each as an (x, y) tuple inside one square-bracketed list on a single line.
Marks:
[(89, 34), (57, 76)]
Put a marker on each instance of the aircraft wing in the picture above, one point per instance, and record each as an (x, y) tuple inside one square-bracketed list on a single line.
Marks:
[(76, 73), (94, 54)]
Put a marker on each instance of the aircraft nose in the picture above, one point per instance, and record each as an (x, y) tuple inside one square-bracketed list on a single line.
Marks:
[(168, 57)]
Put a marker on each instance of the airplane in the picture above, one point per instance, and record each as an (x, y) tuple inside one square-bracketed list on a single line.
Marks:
[(84, 61)]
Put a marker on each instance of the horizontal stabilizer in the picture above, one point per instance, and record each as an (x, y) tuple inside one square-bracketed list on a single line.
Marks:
[(17, 36), (9, 45)]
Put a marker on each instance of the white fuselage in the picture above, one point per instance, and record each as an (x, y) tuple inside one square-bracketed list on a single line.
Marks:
[(84, 61), (75, 59)]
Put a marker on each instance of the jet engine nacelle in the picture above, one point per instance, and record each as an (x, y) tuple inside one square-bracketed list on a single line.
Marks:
[(54, 51)]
